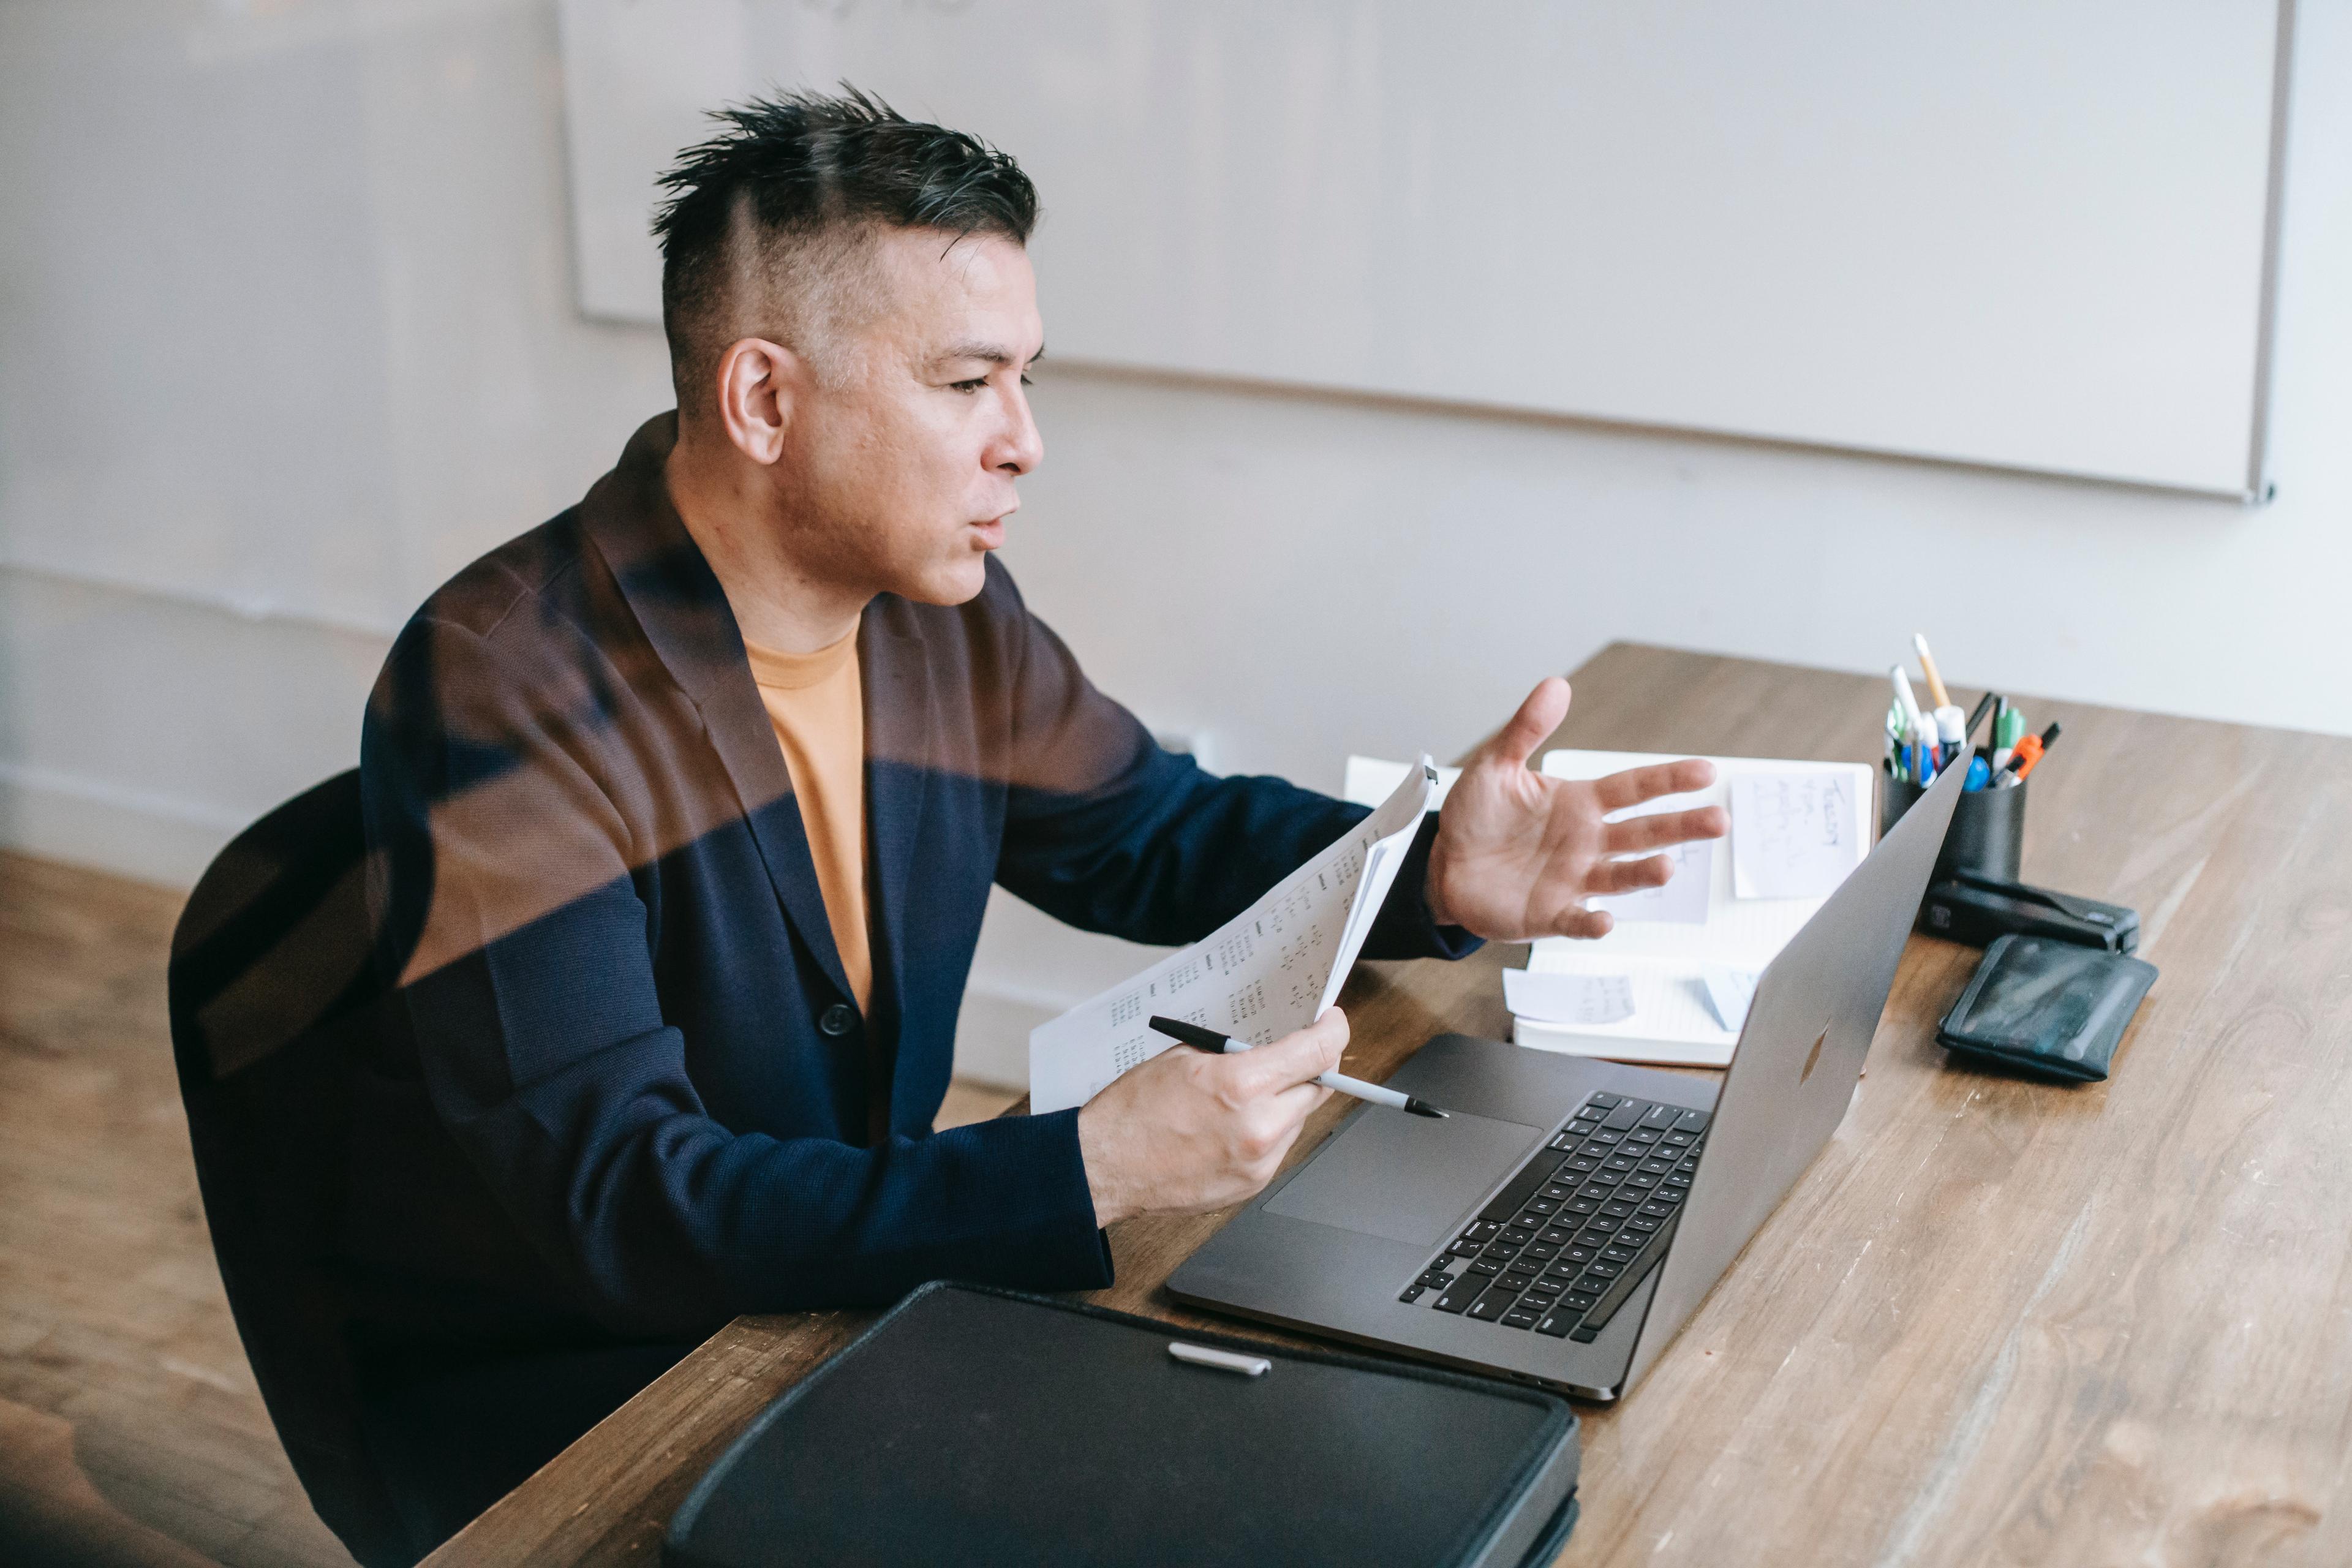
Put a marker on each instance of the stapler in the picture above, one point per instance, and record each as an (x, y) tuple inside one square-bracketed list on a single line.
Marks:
[(1980, 909)]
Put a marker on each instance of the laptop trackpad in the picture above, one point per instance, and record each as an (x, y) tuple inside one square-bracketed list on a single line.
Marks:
[(1405, 1178)]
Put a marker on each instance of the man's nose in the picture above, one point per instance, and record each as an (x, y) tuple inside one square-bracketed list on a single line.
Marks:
[(1021, 448)]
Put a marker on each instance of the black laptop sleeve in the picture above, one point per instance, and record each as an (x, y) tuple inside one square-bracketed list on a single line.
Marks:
[(977, 1426)]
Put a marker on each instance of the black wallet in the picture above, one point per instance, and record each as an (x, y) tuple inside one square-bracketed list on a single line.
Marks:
[(978, 1426), (2047, 1006)]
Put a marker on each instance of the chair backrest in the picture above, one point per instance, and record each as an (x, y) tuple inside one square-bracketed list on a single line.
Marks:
[(275, 1005)]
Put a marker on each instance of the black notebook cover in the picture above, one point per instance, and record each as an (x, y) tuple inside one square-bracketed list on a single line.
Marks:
[(977, 1426)]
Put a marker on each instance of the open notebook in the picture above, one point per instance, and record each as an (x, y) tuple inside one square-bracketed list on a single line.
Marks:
[(1795, 825)]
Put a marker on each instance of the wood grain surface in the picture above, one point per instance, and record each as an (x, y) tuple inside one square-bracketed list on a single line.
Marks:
[(131, 1431), (1999, 1322)]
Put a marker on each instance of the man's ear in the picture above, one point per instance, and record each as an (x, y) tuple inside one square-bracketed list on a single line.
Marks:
[(758, 385)]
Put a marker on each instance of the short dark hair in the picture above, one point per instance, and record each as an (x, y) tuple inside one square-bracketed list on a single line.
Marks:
[(786, 175)]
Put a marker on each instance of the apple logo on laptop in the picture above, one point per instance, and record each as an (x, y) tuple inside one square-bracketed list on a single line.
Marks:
[(1813, 1058)]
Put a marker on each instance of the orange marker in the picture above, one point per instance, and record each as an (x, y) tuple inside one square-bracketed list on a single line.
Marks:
[(2030, 749)]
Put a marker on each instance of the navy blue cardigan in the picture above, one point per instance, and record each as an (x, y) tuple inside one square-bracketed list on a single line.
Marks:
[(638, 1097)]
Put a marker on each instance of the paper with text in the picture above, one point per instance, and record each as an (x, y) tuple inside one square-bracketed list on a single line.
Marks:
[(1675, 1019), (1728, 992), (1567, 998), (1682, 899), (1272, 969), (1792, 834)]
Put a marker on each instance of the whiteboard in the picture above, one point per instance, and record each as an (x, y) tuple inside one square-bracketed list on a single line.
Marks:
[(2032, 235)]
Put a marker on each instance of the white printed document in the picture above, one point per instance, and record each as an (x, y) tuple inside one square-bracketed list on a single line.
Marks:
[(1270, 970)]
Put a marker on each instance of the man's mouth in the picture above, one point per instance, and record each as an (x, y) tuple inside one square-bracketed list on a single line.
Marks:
[(991, 531)]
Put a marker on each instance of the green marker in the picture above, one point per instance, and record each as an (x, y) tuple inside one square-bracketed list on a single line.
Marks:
[(2008, 725)]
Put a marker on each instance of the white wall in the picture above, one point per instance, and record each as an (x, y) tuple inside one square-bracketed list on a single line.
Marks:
[(287, 284)]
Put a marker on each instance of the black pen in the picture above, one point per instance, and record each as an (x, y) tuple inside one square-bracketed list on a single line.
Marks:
[(1215, 1044), (1984, 705)]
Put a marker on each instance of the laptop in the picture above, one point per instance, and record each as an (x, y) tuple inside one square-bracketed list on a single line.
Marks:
[(1569, 1216)]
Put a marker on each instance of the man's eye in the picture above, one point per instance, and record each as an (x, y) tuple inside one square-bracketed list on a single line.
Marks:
[(974, 384)]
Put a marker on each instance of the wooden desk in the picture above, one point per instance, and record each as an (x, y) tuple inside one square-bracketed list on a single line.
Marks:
[(1999, 1321)]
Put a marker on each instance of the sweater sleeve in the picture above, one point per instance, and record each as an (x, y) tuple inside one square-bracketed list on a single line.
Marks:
[(1109, 832)]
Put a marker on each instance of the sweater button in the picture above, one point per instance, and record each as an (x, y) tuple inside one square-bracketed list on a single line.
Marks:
[(839, 1019)]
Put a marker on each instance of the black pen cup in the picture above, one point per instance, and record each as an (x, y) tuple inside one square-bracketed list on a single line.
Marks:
[(1986, 838)]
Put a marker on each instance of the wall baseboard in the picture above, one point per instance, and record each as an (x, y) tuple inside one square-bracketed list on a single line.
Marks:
[(87, 821)]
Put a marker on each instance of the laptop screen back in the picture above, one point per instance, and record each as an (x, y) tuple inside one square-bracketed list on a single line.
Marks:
[(1798, 1058)]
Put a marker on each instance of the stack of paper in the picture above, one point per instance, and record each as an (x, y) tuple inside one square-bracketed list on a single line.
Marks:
[(1671, 982), (1270, 970)]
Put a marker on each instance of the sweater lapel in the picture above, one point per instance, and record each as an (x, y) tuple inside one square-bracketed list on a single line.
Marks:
[(683, 611), (900, 726)]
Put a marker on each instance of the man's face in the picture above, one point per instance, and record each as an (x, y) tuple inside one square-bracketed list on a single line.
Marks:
[(900, 460)]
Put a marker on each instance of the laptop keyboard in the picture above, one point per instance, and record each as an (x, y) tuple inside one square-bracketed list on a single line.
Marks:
[(1565, 1242)]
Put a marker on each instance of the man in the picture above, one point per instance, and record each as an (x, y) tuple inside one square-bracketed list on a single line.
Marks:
[(685, 807)]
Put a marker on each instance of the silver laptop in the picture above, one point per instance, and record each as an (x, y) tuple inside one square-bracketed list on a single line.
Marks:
[(1566, 1219)]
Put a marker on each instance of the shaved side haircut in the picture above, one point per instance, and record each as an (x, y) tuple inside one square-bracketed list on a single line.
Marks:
[(768, 226)]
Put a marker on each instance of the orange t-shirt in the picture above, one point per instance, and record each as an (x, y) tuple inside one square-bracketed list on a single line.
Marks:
[(814, 701)]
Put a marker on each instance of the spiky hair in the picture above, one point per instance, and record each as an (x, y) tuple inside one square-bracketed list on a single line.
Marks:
[(775, 199)]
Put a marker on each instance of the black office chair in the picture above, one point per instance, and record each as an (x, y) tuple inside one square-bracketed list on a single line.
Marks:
[(274, 1004)]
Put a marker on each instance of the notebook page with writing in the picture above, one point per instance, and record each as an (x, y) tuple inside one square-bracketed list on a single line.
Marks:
[(1270, 970), (1674, 1021), (1667, 961), (1792, 834), (1743, 933)]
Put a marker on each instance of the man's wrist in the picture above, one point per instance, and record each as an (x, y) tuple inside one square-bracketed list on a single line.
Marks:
[(1433, 880), (1104, 1190)]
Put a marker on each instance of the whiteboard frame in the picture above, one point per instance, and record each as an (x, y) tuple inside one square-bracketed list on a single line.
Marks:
[(600, 298)]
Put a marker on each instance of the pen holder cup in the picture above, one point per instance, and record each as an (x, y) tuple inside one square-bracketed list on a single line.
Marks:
[(1986, 838)]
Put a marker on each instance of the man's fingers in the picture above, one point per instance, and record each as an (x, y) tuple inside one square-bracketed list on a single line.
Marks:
[(1586, 925), (1532, 725), (1660, 829), (1629, 876), (1298, 1058), (1635, 786), (1298, 1101)]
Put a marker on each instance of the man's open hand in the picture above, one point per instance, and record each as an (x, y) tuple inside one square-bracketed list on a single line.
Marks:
[(1188, 1132), (1517, 854)]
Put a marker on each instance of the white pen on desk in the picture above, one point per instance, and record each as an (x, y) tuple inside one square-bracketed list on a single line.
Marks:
[(1215, 1044)]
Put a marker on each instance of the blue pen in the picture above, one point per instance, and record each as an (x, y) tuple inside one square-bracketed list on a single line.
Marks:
[(1980, 774)]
